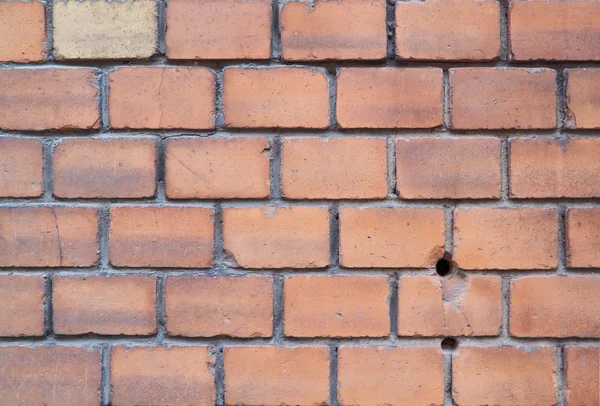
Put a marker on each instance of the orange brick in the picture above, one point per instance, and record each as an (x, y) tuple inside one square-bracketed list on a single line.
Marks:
[(108, 305), (583, 238), (460, 305), (161, 237), (21, 165), (324, 30), (582, 366), (206, 306), (49, 99), (277, 237), (50, 376), (105, 168), (337, 306), (215, 168), (458, 168), (554, 168), (583, 98), (503, 98), (504, 376), (162, 375), (389, 97), (489, 238), (555, 306), (334, 168), (554, 30), (225, 29), (277, 375), (48, 237), (391, 237), (22, 32), (22, 299), (448, 30), (276, 98), (390, 376), (181, 97)]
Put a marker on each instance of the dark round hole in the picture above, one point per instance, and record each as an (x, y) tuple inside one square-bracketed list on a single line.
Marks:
[(449, 344), (443, 267)]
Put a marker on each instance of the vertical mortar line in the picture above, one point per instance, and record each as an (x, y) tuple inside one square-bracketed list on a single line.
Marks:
[(162, 27), (48, 306), (332, 80), (562, 240), (161, 311), (391, 168), (505, 54), (49, 46), (448, 401), (219, 257), (105, 372), (102, 78), (394, 299), (333, 374), (560, 375), (161, 158), (449, 225), (48, 178), (334, 237), (219, 107), (276, 52), (447, 100), (390, 19), (220, 375), (278, 308), (276, 146), (104, 236), (561, 96), (504, 169)]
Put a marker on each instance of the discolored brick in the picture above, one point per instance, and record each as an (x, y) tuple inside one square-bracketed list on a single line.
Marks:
[(22, 299), (22, 32), (583, 98), (583, 238), (582, 372), (21, 167)]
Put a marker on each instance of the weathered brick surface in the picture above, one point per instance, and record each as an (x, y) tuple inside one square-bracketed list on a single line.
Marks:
[(459, 305), (583, 98), (336, 168), (105, 168), (583, 238), (165, 98), (207, 306), (117, 305), (198, 168), (22, 32), (162, 375), (582, 369), (325, 30), (389, 97), (53, 376), (557, 306), (390, 376), (21, 167), (448, 30), (337, 306), (22, 299), (48, 99), (391, 238), (208, 29), (277, 375)]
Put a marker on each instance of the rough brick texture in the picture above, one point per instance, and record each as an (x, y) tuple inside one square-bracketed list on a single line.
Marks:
[(582, 366), (22, 32), (21, 167), (22, 298), (583, 98), (583, 238)]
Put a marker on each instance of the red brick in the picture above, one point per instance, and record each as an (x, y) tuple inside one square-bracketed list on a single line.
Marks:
[(391, 237), (162, 375), (48, 237), (583, 238), (49, 99), (583, 98), (214, 168), (448, 30), (181, 97), (225, 29), (324, 30), (334, 168), (555, 306), (542, 167), (276, 98), (457, 168), (161, 237), (337, 306), (22, 32), (108, 305), (498, 238), (21, 165), (389, 97), (50, 376), (504, 376), (554, 30), (390, 376), (277, 375), (459, 305), (277, 237), (582, 366), (206, 306), (22, 299), (503, 98), (105, 168)]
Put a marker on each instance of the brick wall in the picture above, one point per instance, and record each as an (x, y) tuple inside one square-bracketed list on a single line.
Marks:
[(346, 202)]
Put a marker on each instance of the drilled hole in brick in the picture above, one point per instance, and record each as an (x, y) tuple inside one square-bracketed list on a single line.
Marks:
[(443, 267), (449, 344)]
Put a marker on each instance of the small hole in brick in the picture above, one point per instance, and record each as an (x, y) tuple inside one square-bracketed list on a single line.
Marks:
[(443, 267), (449, 344)]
